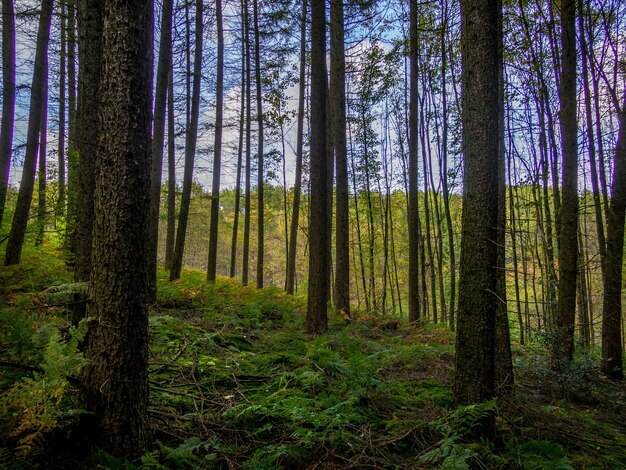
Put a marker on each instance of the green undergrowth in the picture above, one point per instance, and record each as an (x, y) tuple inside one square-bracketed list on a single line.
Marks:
[(236, 383)]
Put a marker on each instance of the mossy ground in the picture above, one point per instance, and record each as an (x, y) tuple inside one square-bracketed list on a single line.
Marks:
[(236, 383)]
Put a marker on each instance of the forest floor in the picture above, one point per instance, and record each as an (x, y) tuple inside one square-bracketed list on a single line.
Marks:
[(236, 383)]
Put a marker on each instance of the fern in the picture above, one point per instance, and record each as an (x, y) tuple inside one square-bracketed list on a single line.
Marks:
[(35, 405)]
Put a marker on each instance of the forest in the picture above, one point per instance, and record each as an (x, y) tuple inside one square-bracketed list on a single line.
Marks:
[(312, 234)]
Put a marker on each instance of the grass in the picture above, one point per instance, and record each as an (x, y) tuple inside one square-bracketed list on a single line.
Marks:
[(236, 383)]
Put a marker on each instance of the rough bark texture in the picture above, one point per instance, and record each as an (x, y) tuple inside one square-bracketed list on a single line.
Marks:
[(38, 90), (413, 212), (190, 151), (217, 152), (8, 98), (612, 301), (90, 23), (297, 188), (475, 341), (260, 171), (158, 138), (568, 233), (338, 116), (115, 379), (319, 269)]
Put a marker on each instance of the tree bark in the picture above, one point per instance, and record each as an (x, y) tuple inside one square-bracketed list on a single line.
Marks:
[(612, 299), (297, 189), (478, 303), (115, 378), (319, 270), (260, 171), (338, 116), (413, 212), (246, 222), (217, 154), (38, 90), (233, 248), (568, 233), (90, 26)]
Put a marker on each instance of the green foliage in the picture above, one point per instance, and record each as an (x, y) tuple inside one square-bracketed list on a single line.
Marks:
[(539, 455), (35, 404), (234, 378)]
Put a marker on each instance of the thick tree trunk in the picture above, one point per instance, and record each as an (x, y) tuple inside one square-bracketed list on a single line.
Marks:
[(478, 303), (338, 116), (8, 98), (568, 246), (190, 150), (319, 269), (297, 189), (612, 300), (115, 378), (217, 152), (90, 24), (38, 90), (164, 68)]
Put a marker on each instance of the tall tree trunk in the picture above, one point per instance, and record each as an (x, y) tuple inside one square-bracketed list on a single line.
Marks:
[(164, 68), (233, 248), (297, 190), (338, 116), (8, 98), (260, 171), (316, 317), (217, 151), (503, 359), (413, 212), (90, 27), (478, 281), (73, 155), (115, 377), (60, 208), (612, 301), (37, 96), (568, 247), (171, 174), (190, 150), (43, 141), (245, 270)]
